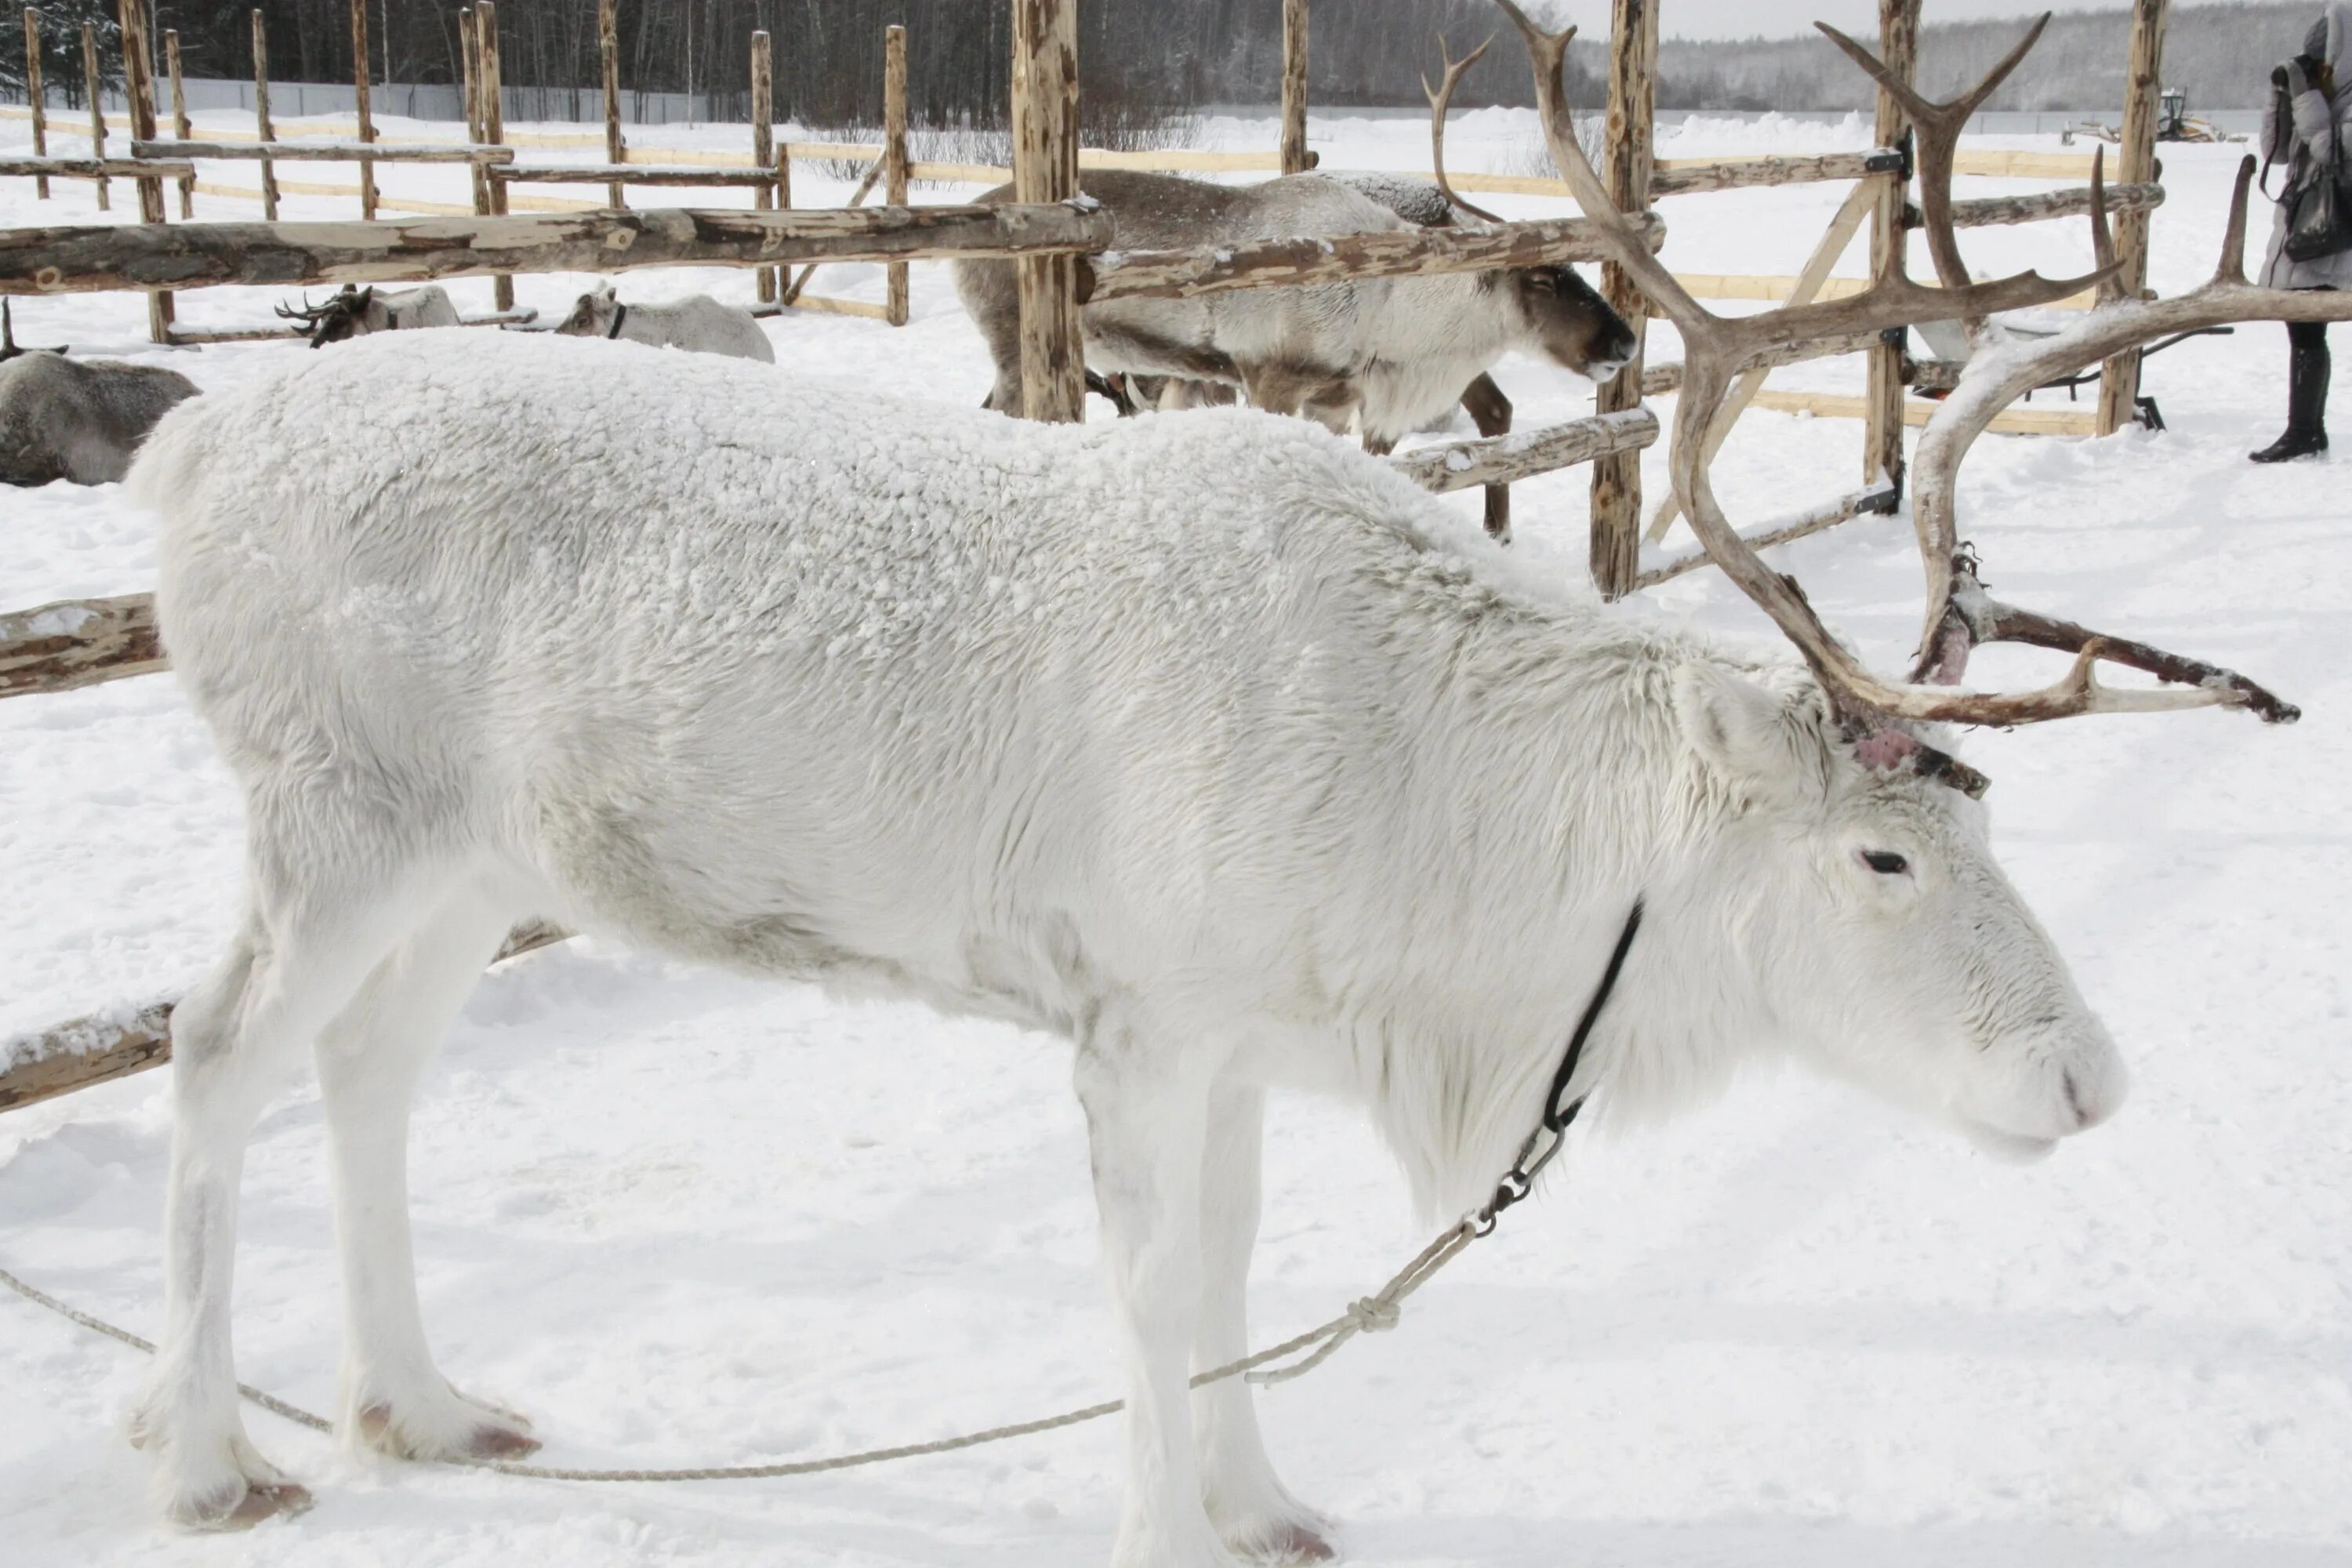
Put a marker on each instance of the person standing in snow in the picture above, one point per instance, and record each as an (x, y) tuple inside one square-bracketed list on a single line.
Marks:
[(2305, 127)]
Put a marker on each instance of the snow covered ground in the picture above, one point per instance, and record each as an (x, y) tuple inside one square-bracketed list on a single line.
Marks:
[(682, 1217)]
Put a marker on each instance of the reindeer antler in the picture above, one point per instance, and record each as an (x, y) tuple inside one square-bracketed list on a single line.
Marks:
[(1439, 100), (1961, 615)]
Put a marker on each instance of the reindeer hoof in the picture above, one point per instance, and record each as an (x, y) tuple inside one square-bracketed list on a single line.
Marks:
[(454, 1430), (269, 1500), (1294, 1543)]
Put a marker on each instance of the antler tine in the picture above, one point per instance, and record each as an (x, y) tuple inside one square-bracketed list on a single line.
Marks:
[(1439, 100), (1939, 127), (2103, 239), (2232, 267), (1547, 52)]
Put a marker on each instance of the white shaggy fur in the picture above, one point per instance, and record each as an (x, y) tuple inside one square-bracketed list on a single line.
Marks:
[(1208, 744), (698, 324)]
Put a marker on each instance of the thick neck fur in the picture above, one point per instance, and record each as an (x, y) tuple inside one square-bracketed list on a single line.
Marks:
[(1581, 795)]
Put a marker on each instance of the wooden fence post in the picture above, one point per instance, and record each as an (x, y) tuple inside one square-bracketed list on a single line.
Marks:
[(608, 48), (894, 155), (91, 85), (763, 144), (491, 83), (1616, 526), (38, 95), (361, 70), (180, 127), (2119, 377), (1294, 87), (1882, 431), (469, 63), (262, 127), (1045, 169), (139, 94)]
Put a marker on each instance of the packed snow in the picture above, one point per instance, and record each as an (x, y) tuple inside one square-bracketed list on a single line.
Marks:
[(681, 1216)]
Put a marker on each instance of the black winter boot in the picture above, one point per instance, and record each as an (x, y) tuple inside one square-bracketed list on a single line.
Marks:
[(2307, 396)]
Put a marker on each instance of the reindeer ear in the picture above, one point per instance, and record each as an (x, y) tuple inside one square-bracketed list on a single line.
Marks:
[(1753, 736)]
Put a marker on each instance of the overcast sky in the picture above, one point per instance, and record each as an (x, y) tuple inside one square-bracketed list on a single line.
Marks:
[(1785, 18)]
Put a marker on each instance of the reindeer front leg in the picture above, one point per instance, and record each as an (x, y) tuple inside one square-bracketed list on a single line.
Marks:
[(1491, 411), (1147, 1114), (1252, 1509)]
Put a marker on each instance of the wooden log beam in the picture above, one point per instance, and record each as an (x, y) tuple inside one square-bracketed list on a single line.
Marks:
[(1294, 88), (93, 93), (1045, 169), (106, 1046), (490, 80), (894, 161), (632, 174), (263, 131), (361, 71), (77, 642), (36, 95), (2119, 376), (138, 93), (1522, 454), (91, 259), (1614, 532), (180, 127), (197, 335), (1983, 211), (1178, 274), (98, 168), (608, 54), (327, 151), (764, 147), (1881, 502), (1688, 176), (1882, 439)]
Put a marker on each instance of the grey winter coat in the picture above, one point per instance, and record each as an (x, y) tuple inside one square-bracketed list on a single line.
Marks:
[(2317, 123)]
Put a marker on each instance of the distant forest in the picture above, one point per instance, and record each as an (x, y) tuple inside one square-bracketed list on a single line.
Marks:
[(1150, 56)]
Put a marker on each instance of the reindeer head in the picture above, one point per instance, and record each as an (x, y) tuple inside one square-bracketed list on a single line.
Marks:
[(591, 315), (1560, 315), (350, 313), (1860, 901)]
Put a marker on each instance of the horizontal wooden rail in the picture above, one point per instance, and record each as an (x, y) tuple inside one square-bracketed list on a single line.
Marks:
[(77, 642), (833, 305), (96, 168), (1882, 502), (1977, 211), (395, 204), (1918, 411), (633, 174), (328, 152), (87, 259), (194, 335), (1657, 380), (1688, 176), (106, 1046), (1176, 274), (1772, 286), (1522, 454)]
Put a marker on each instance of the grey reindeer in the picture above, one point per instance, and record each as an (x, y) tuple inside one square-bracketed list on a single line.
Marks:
[(78, 420)]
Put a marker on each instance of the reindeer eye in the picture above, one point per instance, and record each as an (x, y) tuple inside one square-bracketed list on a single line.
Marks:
[(1885, 862)]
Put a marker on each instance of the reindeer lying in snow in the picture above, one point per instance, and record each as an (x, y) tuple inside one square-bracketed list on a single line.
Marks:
[(79, 420), (355, 312), (700, 324)]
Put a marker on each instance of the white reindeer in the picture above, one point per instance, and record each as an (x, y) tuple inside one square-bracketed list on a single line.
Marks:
[(1260, 774), (700, 324)]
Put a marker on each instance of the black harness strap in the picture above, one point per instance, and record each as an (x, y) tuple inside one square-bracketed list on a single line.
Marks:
[(1546, 1140), (620, 314)]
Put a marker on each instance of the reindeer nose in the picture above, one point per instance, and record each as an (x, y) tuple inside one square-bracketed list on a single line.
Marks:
[(2092, 1096)]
